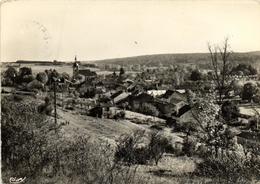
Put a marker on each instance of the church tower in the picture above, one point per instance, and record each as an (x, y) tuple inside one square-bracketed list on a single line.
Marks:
[(75, 67)]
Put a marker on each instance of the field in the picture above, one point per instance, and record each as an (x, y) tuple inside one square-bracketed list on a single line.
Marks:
[(36, 68), (169, 170)]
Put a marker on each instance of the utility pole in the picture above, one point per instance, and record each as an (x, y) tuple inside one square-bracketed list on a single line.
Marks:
[(55, 108)]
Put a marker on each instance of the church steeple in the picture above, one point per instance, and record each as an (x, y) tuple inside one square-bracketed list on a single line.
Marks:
[(75, 66)]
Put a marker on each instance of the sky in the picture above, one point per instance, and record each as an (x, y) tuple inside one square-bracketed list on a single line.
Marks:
[(100, 29)]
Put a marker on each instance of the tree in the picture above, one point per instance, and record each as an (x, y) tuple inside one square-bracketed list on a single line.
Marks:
[(122, 71), (25, 75), (25, 71), (11, 73), (42, 77), (195, 75), (249, 90), (256, 98), (220, 60), (229, 111), (148, 109), (243, 69)]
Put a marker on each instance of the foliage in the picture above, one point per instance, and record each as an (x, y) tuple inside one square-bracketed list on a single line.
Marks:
[(157, 146), (65, 76), (195, 75), (147, 108), (33, 146), (122, 71), (119, 115), (189, 146), (42, 77), (27, 78), (230, 169), (24, 137), (229, 111), (25, 71), (220, 60), (244, 69), (256, 98), (249, 90), (87, 92), (211, 129), (10, 75), (129, 149)]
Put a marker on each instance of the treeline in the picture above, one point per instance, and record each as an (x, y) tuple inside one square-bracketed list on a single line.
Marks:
[(169, 59)]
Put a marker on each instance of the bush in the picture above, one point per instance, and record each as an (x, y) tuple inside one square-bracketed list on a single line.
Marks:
[(156, 127), (195, 75), (130, 152), (30, 148), (157, 146), (229, 111), (25, 71), (230, 169), (24, 137), (119, 115), (244, 69), (249, 90), (42, 77), (171, 122), (148, 109), (10, 75), (7, 82), (189, 146)]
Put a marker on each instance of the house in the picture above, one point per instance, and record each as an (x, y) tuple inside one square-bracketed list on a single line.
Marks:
[(122, 96), (138, 117), (139, 98), (87, 73), (248, 111), (156, 93), (174, 96), (166, 109)]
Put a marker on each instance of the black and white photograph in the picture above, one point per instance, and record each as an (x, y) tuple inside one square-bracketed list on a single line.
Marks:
[(130, 91)]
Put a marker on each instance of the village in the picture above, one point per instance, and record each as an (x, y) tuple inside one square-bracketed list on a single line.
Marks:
[(157, 96), (181, 104), (130, 92)]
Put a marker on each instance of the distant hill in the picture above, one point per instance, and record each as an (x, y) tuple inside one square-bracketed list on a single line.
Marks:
[(186, 58)]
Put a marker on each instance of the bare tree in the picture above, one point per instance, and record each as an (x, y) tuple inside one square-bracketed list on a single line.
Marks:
[(220, 61)]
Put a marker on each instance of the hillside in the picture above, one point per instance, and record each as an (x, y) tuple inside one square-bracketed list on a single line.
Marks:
[(168, 59)]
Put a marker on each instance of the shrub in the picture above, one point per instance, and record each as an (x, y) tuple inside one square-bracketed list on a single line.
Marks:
[(249, 90), (17, 98), (171, 122), (229, 111), (119, 115), (230, 169), (156, 127), (24, 137), (42, 77), (244, 69), (7, 82), (195, 75), (189, 146), (157, 146), (30, 148), (10, 74), (148, 109), (25, 71), (129, 151)]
